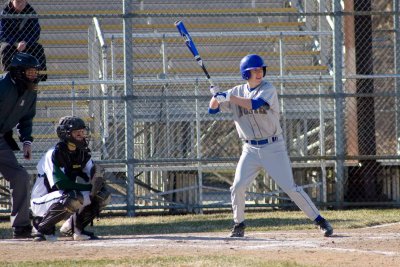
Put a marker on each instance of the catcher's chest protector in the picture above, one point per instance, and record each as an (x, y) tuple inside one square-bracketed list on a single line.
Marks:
[(72, 161)]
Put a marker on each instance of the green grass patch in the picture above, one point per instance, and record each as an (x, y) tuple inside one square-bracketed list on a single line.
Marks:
[(200, 261), (256, 221)]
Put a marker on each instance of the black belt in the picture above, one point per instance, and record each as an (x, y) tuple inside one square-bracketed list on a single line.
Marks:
[(263, 141)]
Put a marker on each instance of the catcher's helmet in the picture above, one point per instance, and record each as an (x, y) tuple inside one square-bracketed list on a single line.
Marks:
[(66, 125), (19, 64), (250, 62)]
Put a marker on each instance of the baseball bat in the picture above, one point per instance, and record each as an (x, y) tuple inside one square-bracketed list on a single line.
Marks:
[(192, 47)]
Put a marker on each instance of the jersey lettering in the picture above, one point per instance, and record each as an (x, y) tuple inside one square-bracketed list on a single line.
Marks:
[(245, 111)]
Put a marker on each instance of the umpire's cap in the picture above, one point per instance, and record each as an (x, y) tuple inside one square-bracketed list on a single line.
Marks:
[(24, 60), (19, 64)]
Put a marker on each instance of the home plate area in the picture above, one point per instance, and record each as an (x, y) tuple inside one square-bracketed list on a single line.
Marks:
[(340, 242), (371, 246)]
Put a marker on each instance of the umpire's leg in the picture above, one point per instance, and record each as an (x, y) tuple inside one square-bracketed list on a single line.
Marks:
[(19, 187)]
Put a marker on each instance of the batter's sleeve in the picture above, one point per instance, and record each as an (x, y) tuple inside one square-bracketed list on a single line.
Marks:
[(269, 95)]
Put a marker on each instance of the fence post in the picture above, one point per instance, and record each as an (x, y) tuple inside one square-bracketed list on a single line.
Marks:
[(129, 107), (199, 200), (338, 87), (322, 141), (282, 88), (397, 69), (103, 75), (113, 55)]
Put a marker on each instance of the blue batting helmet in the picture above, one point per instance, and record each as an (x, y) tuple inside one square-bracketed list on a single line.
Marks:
[(250, 62)]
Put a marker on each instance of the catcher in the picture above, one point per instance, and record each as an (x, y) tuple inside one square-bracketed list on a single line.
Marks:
[(68, 186)]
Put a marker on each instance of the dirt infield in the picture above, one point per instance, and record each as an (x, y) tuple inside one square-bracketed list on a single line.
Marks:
[(372, 246)]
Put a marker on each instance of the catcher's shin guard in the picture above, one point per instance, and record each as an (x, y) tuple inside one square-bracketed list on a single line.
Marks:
[(86, 216), (99, 202), (69, 203), (55, 214)]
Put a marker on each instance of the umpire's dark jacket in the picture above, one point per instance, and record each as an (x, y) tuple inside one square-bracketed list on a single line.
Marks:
[(17, 108)]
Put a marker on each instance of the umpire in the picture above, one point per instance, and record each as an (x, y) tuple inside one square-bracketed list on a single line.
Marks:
[(17, 109)]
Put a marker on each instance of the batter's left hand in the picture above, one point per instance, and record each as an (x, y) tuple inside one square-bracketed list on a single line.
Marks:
[(27, 151), (214, 90), (223, 96)]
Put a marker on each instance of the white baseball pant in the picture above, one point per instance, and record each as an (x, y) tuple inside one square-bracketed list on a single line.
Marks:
[(274, 159), (41, 205)]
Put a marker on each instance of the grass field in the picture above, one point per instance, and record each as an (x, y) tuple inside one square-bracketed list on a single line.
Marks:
[(177, 230)]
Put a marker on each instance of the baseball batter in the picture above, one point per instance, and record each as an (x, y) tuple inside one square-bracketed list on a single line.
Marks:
[(255, 109)]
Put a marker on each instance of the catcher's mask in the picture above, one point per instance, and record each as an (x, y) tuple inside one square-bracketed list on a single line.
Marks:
[(68, 124), (20, 63)]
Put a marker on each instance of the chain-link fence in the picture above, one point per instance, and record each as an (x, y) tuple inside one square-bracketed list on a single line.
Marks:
[(123, 67)]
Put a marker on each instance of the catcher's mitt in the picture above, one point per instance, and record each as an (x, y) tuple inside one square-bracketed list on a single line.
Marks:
[(97, 180)]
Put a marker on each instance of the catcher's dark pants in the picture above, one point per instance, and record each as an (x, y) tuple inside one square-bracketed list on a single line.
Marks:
[(19, 180), (7, 52)]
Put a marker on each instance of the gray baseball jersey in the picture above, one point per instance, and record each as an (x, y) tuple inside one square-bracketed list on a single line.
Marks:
[(261, 123)]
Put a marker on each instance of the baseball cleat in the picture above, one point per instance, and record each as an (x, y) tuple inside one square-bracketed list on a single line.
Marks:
[(22, 232), (68, 232), (81, 237), (41, 237), (325, 227), (51, 238), (238, 230)]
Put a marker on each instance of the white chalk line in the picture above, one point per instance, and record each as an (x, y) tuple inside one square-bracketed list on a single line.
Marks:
[(381, 225)]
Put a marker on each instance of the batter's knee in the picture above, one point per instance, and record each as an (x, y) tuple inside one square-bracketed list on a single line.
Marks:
[(294, 192)]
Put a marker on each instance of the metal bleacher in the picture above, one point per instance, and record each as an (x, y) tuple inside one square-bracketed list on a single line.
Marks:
[(66, 46), (223, 37)]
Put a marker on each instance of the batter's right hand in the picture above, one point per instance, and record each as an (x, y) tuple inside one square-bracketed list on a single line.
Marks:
[(214, 90)]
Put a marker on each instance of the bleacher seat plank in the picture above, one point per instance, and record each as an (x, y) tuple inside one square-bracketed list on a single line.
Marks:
[(172, 11), (46, 104), (55, 120), (118, 27)]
